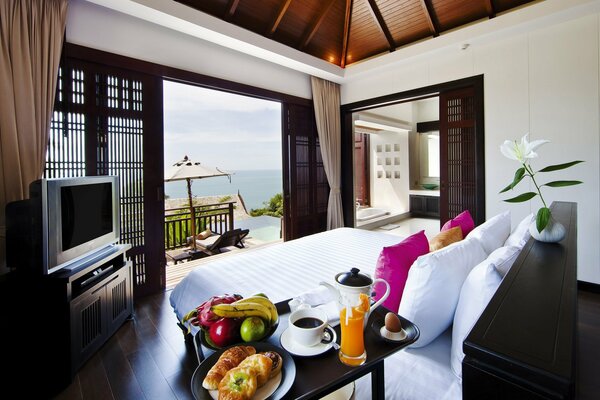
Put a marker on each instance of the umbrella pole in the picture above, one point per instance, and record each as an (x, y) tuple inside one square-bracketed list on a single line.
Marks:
[(192, 213)]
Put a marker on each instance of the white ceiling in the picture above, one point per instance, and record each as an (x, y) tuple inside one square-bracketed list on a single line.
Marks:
[(182, 18)]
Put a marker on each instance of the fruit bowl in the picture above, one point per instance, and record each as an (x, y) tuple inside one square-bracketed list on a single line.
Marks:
[(205, 338), (430, 186)]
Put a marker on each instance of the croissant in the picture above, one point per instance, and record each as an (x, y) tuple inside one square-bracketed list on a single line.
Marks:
[(230, 358), (259, 364)]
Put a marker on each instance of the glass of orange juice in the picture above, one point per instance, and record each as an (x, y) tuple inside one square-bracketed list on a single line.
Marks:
[(352, 350)]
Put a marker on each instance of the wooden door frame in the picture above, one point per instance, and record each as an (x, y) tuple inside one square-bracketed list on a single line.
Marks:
[(402, 97)]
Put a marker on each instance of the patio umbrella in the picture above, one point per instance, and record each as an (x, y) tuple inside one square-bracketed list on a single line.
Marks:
[(187, 170)]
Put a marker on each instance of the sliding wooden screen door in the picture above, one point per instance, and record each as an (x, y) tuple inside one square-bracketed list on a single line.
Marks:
[(305, 186), (462, 184)]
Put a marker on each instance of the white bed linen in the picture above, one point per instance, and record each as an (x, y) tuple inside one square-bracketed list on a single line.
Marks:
[(285, 270)]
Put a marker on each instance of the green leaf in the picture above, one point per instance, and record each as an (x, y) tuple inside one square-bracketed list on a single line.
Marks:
[(519, 174), (562, 183), (522, 197), (559, 166), (542, 218)]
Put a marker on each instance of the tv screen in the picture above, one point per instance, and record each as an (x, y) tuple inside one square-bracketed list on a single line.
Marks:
[(90, 203)]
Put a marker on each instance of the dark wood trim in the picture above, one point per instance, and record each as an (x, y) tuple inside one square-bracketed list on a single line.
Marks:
[(231, 8), (315, 25), (489, 7), (347, 146), (376, 14), (347, 22), (428, 126), (278, 18), (588, 287), (176, 74), (429, 13)]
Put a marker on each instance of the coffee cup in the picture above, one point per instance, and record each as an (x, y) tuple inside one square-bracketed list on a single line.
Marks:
[(308, 327)]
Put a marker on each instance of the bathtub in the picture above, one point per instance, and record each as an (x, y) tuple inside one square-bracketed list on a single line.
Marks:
[(370, 213)]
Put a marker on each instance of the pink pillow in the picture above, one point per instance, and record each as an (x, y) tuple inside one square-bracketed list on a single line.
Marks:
[(393, 265), (464, 220)]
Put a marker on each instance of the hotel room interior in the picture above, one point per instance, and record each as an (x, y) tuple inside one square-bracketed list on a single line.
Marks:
[(85, 76)]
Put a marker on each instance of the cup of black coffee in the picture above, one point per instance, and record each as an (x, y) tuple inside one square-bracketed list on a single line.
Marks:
[(307, 326)]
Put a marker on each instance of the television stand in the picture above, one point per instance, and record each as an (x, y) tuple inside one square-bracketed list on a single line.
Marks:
[(68, 315)]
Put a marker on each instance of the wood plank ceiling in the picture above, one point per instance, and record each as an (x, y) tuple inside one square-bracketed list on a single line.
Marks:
[(343, 32)]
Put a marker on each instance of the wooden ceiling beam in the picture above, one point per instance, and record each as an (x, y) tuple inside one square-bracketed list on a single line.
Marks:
[(376, 14), (346, 37), (489, 6), (233, 4), (428, 11), (279, 17), (315, 25)]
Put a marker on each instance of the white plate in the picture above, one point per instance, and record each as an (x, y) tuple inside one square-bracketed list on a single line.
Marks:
[(344, 393), (305, 351)]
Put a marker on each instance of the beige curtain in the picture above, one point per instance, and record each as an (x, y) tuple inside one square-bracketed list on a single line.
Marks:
[(326, 99), (31, 36)]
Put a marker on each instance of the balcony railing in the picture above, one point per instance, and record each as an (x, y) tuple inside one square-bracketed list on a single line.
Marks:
[(216, 217)]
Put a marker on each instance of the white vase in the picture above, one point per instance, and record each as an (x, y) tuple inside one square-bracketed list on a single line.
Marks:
[(553, 232)]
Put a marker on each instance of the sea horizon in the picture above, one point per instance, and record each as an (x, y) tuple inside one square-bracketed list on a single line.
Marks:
[(256, 186)]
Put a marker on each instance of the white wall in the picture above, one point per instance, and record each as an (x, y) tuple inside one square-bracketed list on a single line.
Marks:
[(105, 29), (545, 82), (389, 192)]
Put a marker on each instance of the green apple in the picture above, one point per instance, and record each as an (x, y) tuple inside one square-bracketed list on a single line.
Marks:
[(253, 329)]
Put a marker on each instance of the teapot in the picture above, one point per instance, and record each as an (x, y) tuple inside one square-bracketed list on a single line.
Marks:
[(350, 284)]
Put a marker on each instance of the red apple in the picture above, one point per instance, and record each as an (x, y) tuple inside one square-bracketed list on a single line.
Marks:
[(225, 331)]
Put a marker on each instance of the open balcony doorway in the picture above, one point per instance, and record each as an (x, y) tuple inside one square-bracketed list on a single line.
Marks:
[(236, 134)]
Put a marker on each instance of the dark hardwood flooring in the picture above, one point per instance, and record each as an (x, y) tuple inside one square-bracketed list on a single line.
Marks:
[(148, 358)]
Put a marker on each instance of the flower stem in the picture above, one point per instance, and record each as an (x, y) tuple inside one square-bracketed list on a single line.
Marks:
[(531, 174)]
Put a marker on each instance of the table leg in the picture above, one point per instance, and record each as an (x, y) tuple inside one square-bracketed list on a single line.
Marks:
[(377, 382)]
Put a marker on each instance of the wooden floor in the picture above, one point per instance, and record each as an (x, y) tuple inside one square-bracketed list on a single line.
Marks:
[(148, 358)]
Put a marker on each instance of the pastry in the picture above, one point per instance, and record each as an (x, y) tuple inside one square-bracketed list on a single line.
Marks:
[(238, 384), (261, 365), (230, 358), (276, 360)]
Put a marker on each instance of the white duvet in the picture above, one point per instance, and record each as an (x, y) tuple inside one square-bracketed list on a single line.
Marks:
[(285, 270)]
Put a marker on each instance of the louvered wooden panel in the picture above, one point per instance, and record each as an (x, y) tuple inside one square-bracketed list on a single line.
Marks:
[(453, 13), (405, 20), (306, 190), (119, 300), (91, 323), (102, 125), (361, 168), (365, 37), (458, 154)]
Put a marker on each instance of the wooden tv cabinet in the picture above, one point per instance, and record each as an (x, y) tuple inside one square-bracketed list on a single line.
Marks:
[(68, 315)]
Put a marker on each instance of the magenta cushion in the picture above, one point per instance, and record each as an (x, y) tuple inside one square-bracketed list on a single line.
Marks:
[(393, 265), (464, 220)]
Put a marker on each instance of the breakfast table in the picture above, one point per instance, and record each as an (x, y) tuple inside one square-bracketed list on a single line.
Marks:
[(320, 375)]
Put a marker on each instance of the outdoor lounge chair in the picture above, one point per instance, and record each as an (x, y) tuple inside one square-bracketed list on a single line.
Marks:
[(213, 244)]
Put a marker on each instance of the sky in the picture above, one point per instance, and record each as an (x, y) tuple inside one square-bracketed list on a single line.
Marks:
[(219, 129)]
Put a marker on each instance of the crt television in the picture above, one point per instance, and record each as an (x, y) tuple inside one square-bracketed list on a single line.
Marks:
[(64, 221)]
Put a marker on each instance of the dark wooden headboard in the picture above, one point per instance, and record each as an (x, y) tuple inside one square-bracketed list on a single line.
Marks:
[(523, 345)]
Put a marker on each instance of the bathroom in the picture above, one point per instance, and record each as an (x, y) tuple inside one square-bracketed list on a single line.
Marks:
[(396, 163)]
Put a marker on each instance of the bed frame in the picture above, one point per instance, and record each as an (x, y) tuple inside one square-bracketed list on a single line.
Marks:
[(523, 345)]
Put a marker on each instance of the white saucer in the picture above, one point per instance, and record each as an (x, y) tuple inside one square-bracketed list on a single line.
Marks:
[(304, 351)]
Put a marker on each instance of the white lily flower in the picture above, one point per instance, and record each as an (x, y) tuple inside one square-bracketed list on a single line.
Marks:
[(521, 151)]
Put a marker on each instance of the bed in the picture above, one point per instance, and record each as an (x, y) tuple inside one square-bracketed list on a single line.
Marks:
[(285, 270)]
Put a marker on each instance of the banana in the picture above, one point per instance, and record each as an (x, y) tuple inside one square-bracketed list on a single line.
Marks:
[(242, 310), (265, 302)]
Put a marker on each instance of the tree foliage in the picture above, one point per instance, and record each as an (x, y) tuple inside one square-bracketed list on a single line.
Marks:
[(273, 207)]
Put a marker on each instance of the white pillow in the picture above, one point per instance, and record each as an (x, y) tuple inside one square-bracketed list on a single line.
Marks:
[(476, 292), (521, 234), (493, 232), (433, 286), (503, 258)]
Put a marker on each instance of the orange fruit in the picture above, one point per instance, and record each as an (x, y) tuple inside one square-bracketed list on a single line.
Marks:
[(364, 305)]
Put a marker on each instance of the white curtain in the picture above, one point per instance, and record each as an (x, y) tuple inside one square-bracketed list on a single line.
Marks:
[(31, 37), (326, 100)]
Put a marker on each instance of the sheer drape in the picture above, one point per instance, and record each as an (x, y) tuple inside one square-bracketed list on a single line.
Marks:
[(326, 99), (31, 36)]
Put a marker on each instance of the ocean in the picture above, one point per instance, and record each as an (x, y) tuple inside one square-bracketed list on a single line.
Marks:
[(255, 186)]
